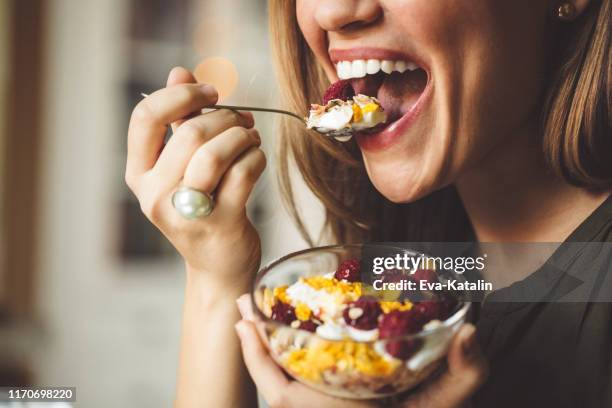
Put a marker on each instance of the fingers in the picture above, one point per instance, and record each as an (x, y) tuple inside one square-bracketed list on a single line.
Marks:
[(239, 180), (189, 137), (179, 75), (467, 371), (269, 378), (212, 159), (271, 381), (150, 118), (245, 307)]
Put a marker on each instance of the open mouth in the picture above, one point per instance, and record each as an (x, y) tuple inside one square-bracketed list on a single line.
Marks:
[(398, 84)]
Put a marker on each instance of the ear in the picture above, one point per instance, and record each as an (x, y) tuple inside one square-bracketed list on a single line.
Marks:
[(580, 5), (569, 10)]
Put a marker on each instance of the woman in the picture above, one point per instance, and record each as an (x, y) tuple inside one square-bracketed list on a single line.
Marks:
[(501, 133)]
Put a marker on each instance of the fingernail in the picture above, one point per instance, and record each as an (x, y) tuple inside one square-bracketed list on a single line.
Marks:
[(255, 134), (239, 327), (470, 342), (208, 90), (249, 118), (244, 307)]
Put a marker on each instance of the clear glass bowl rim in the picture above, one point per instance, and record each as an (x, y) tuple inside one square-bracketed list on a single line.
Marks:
[(450, 321)]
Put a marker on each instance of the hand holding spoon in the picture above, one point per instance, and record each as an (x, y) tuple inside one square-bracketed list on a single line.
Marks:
[(342, 134)]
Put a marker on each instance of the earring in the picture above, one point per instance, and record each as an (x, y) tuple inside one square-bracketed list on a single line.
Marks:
[(566, 11)]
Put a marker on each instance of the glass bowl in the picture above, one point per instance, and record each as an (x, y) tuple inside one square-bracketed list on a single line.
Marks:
[(350, 367)]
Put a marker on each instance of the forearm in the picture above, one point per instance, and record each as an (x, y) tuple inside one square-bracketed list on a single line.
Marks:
[(211, 369)]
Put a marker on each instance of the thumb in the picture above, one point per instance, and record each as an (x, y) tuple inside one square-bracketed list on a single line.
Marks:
[(269, 378), (180, 75), (466, 361), (177, 76), (467, 370)]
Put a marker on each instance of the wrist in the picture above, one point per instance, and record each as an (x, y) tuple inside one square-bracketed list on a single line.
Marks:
[(215, 286)]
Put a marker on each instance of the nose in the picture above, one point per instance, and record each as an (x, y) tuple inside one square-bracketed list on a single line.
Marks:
[(346, 15)]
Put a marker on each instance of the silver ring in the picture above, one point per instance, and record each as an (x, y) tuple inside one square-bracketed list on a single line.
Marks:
[(191, 203)]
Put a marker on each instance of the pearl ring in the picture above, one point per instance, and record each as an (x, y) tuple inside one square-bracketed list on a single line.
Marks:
[(191, 203)]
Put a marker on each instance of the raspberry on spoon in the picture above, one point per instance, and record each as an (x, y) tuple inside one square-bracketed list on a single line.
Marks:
[(339, 90)]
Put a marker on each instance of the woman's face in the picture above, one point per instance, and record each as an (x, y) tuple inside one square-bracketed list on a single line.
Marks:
[(472, 80)]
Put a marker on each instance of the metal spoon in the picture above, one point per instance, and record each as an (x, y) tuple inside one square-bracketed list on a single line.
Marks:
[(341, 135)]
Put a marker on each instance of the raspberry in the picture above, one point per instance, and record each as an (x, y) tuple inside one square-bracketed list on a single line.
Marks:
[(403, 349), (363, 313), (309, 325), (440, 308), (284, 313), (428, 310), (426, 275), (393, 275), (348, 271), (398, 323), (339, 90), (448, 304)]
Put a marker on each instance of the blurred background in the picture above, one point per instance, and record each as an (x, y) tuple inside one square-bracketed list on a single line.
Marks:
[(90, 292)]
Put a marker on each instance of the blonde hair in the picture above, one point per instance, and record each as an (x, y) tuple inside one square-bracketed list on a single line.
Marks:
[(576, 127)]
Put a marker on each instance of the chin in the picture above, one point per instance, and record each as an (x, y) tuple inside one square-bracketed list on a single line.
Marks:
[(404, 181)]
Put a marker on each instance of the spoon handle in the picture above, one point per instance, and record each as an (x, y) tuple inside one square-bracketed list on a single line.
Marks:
[(250, 108), (256, 109)]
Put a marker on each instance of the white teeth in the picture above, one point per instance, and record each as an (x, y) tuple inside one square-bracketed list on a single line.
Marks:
[(372, 66), (387, 66), (344, 70), (401, 66), (411, 66), (358, 69)]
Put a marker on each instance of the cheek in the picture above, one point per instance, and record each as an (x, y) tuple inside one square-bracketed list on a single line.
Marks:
[(306, 19), (315, 37), (500, 81), (487, 74)]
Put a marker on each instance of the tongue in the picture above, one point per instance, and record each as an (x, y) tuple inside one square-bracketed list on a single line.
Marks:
[(369, 85), (397, 92)]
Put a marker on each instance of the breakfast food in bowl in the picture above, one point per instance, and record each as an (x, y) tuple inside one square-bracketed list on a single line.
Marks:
[(333, 332), (343, 113)]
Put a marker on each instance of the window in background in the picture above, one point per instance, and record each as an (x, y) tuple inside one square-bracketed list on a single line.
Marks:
[(156, 38), (222, 47)]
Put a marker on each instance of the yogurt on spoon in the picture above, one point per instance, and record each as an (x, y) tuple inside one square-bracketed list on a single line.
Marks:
[(344, 113)]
